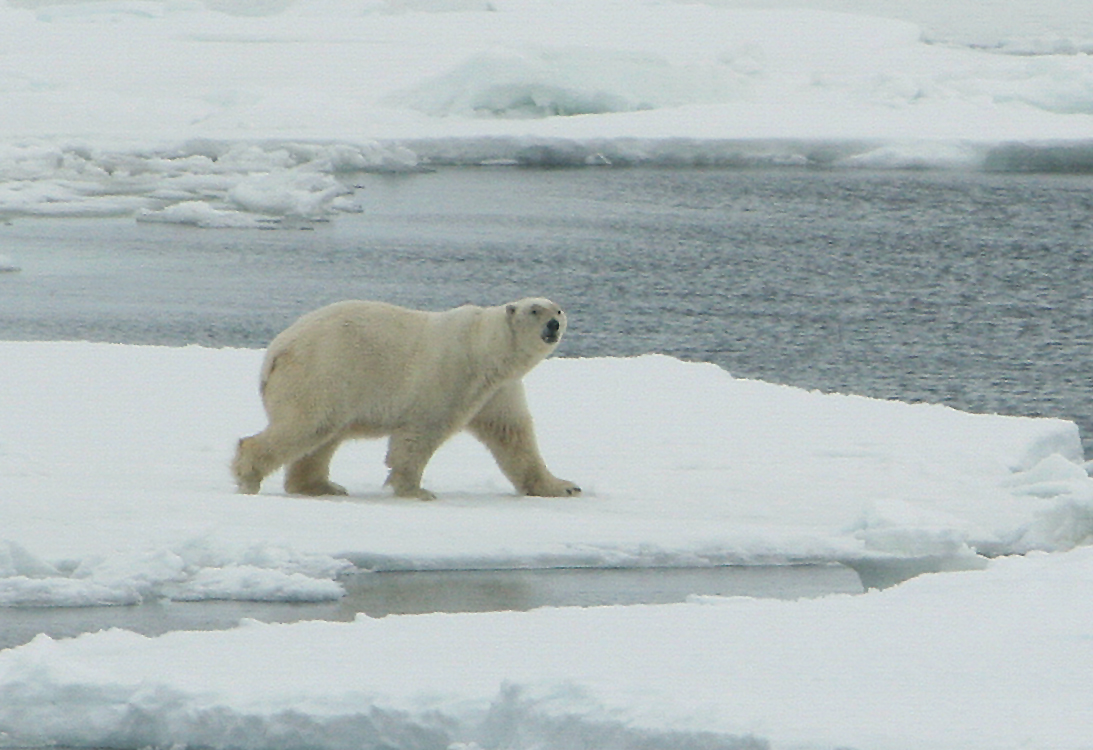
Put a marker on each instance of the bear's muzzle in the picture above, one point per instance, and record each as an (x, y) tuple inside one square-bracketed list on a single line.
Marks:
[(551, 331)]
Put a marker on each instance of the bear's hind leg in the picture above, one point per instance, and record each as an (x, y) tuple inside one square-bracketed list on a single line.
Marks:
[(504, 426), (252, 464), (309, 475), (258, 456)]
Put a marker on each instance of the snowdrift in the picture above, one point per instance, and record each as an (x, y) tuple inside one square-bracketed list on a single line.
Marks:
[(115, 488)]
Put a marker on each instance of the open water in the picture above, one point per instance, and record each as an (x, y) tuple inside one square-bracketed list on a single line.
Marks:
[(964, 288)]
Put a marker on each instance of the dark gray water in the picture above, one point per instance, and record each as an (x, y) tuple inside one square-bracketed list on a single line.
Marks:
[(969, 289)]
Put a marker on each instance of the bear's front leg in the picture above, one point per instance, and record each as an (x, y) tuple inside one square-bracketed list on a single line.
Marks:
[(549, 485), (407, 454), (504, 425)]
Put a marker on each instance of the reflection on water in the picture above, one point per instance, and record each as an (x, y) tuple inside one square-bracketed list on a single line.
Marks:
[(398, 593), (380, 594)]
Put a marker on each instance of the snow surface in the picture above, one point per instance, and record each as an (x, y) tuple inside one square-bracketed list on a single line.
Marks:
[(116, 490), (242, 112)]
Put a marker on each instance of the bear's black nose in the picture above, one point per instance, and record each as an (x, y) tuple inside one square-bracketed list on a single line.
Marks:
[(550, 331)]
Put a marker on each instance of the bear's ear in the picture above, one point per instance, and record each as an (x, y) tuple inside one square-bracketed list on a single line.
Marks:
[(510, 309)]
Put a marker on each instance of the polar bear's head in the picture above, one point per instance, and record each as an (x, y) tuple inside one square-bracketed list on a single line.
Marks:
[(538, 316)]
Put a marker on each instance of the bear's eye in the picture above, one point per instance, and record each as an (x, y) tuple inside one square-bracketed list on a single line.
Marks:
[(535, 311)]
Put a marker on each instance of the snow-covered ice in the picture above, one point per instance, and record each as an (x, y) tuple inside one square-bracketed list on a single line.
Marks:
[(262, 110), (681, 464)]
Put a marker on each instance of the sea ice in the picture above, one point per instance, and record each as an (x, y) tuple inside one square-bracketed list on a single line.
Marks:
[(681, 463)]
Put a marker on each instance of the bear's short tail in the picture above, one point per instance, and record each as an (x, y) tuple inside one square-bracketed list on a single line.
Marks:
[(267, 371)]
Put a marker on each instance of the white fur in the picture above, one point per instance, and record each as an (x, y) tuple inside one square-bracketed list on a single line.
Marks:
[(370, 369)]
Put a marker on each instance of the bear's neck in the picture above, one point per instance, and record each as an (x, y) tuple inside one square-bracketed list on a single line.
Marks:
[(500, 353)]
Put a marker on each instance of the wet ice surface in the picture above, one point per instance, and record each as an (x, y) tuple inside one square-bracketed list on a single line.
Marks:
[(421, 592)]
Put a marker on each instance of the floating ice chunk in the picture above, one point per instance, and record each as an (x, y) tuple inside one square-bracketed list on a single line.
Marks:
[(200, 214), (288, 193), (371, 157), (919, 155), (22, 591), (7, 265), (196, 570), (715, 470), (200, 182), (251, 583)]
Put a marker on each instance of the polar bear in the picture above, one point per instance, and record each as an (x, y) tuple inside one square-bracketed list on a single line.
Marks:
[(371, 369)]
